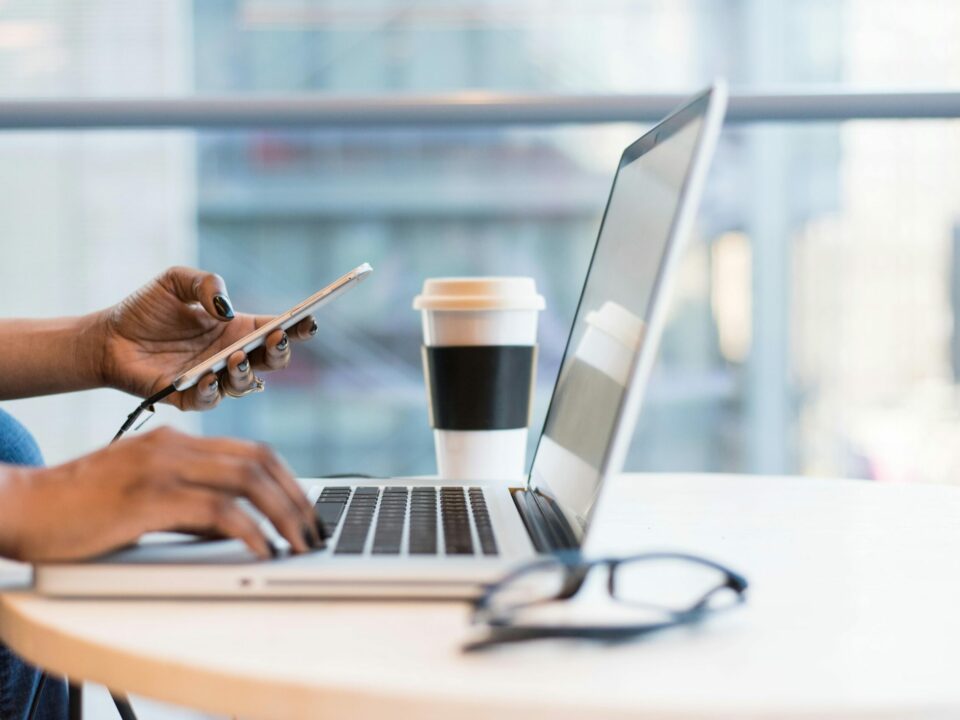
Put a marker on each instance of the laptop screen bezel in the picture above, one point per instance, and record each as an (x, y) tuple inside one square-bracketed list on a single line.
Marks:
[(709, 106)]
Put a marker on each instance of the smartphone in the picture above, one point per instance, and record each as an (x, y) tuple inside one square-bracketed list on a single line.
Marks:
[(259, 336)]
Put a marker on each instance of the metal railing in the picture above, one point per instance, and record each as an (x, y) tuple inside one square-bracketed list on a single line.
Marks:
[(457, 109)]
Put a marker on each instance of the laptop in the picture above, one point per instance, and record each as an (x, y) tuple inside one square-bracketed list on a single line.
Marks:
[(424, 537)]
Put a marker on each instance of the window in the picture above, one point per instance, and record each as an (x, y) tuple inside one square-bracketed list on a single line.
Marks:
[(814, 327)]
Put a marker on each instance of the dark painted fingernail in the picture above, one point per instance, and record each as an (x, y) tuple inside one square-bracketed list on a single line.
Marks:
[(212, 386), (223, 306), (312, 540), (284, 341), (274, 550), (322, 532), (313, 328), (244, 366)]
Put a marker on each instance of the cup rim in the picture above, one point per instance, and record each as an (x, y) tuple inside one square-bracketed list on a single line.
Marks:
[(479, 293)]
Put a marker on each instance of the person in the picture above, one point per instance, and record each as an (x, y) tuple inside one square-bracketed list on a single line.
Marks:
[(157, 480)]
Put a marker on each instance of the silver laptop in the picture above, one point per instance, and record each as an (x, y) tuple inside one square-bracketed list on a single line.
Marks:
[(423, 537)]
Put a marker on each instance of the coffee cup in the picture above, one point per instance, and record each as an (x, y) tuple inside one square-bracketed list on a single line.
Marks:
[(479, 361)]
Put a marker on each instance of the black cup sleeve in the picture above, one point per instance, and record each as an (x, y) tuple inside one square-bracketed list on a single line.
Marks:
[(479, 387)]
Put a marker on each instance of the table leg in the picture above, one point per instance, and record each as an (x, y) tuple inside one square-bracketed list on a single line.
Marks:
[(123, 706), (75, 701)]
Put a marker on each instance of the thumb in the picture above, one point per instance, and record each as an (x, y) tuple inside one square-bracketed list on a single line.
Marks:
[(208, 289)]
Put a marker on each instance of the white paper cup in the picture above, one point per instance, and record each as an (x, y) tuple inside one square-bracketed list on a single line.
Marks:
[(480, 337)]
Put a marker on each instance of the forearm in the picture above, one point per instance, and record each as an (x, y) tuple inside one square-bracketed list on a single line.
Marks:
[(44, 357), (12, 510)]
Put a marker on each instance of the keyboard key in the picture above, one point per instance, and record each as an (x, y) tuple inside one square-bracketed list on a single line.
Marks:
[(423, 521), (335, 493), (390, 521), (356, 524), (328, 513), (456, 521), (481, 519)]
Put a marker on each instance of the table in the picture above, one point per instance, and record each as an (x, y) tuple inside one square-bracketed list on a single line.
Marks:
[(854, 611)]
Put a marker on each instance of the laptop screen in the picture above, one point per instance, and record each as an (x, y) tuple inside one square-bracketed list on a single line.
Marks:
[(614, 311)]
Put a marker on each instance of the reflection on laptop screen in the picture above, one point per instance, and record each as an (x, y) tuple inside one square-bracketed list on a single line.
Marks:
[(608, 330)]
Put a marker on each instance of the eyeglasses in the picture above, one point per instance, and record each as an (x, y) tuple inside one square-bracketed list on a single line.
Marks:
[(651, 592)]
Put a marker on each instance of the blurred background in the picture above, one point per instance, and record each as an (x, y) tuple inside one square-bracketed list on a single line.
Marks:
[(814, 330)]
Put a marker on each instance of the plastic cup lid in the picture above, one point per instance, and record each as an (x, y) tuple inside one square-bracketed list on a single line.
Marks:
[(479, 293), (617, 322)]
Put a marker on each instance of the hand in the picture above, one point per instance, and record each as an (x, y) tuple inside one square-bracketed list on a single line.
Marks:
[(177, 320), (161, 480)]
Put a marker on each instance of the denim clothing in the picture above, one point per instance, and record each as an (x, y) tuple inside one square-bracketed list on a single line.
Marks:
[(18, 680), (17, 446)]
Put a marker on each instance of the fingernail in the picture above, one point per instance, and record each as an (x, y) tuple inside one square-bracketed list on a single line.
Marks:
[(282, 345), (313, 328), (274, 550), (311, 540), (212, 386), (223, 306), (244, 366)]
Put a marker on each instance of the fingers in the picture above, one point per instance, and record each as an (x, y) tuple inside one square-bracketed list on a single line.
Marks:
[(277, 351), (238, 477), (231, 469), (305, 329), (276, 354), (255, 465), (205, 395), (208, 289), (238, 376), (216, 513)]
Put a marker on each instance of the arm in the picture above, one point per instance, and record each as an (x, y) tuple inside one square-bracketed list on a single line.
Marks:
[(43, 357), (160, 480), (138, 345)]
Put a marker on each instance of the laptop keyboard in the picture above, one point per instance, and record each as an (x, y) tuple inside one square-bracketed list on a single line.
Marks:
[(418, 521)]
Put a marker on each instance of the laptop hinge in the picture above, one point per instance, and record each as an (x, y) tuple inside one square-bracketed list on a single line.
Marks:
[(546, 524)]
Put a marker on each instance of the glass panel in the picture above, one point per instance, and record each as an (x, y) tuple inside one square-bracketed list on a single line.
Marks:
[(282, 213), (815, 325), (813, 329), (140, 47), (87, 218)]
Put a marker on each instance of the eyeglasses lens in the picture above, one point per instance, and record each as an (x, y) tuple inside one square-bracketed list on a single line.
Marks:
[(671, 584), (538, 584)]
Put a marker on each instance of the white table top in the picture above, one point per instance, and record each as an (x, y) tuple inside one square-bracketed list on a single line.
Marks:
[(854, 611)]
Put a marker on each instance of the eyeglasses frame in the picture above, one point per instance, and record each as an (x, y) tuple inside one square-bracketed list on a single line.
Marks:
[(577, 569)]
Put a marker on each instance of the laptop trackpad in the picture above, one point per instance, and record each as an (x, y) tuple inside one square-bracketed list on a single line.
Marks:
[(178, 548)]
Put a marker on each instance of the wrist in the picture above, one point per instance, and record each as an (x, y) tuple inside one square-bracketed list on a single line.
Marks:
[(49, 356), (91, 348)]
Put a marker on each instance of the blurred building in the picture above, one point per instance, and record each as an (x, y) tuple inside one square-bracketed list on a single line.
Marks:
[(280, 212), (813, 329)]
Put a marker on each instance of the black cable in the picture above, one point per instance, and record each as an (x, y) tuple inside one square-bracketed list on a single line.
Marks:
[(145, 406)]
